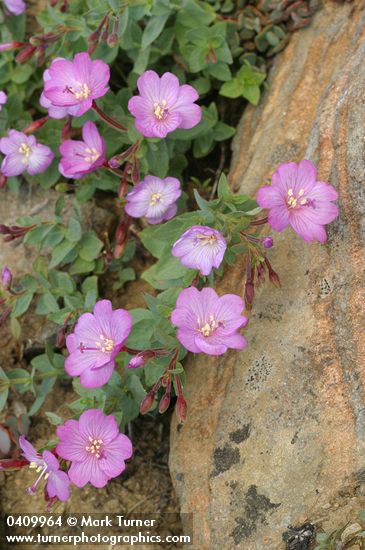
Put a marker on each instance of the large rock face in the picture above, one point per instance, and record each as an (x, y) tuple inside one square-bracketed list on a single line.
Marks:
[(275, 434)]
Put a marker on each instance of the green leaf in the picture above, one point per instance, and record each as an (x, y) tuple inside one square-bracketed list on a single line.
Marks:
[(60, 252), (42, 392), (252, 94), (74, 231), (81, 266), (223, 131), (22, 304), (90, 246), (47, 303), (153, 29), (22, 73), (231, 89), (4, 389), (15, 328), (223, 190)]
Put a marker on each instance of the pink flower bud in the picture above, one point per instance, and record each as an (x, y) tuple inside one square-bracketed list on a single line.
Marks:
[(25, 54), (147, 403), (11, 46), (268, 242), (35, 125), (181, 409), (6, 278), (165, 402)]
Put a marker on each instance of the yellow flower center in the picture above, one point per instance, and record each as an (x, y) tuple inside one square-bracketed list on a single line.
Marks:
[(207, 239), (106, 345), (25, 150), (294, 201), (155, 198), (82, 92), (93, 154), (209, 327), (94, 447), (160, 109)]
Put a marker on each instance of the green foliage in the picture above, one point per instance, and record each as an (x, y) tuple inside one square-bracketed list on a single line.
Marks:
[(220, 48)]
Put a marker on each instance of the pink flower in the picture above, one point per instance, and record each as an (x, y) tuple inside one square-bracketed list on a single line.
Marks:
[(208, 323), (163, 105), (200, 247), (6, 278), (3, 99), (75, 83), (48, 468), (296, 198), (154, 198), (24, 154), (97, 339), (53, 110), (16, 7), (95, 447), (82, 157)]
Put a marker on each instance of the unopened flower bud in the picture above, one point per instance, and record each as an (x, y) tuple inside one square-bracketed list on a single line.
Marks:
[(249, 292), (136, 361), (11, 46), (165, 402), (121, 236), (105, 33), (273, 276), (181, 409), (261, 273), (113, 38), (25, 54), (61, 338), (147, 403), (135, 173), (267, 242), (35, 125), (6, 278)]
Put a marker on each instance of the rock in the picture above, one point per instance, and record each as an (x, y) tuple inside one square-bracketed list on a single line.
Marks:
[(350, 532), (275, 434)]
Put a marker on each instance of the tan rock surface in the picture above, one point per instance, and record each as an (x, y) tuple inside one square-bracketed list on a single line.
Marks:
[(275, 434)]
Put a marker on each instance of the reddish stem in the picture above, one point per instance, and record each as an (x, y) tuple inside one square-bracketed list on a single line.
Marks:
[(107, 119)]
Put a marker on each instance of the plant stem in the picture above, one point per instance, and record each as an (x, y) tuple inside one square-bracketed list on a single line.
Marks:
[(107, 119)]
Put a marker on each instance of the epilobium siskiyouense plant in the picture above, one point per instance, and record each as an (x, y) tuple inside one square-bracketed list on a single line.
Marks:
[(123, 102)]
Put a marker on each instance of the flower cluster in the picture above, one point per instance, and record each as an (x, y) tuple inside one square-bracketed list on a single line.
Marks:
[(94, 447)]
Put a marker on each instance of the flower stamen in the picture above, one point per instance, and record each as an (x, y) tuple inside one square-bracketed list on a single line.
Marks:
[(155, 198), (25, 150), (94, 447), (93, 154), (160, 110)]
